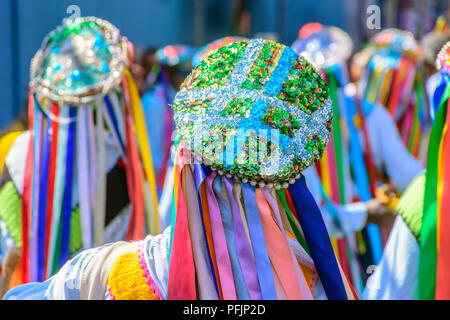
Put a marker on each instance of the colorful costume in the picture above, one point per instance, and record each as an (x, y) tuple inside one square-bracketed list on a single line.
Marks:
[(416, 260), (250, 118), (82, 174), (395, 79), (209, 48), (363, 140)]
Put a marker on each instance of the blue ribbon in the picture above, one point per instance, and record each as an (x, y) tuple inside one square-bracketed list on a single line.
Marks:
[(200, 176), (43, 190), (356, 152), (316, 236), (265, 275), (67, 200), (110, 109), (437, 96)]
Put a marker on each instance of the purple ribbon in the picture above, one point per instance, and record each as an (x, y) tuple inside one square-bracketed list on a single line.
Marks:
[(246, 260)]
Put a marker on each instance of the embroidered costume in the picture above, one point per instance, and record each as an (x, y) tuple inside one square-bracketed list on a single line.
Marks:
[(250, 118)]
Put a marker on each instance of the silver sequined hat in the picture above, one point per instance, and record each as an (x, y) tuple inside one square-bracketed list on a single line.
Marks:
[(255, 110), (79, 61)]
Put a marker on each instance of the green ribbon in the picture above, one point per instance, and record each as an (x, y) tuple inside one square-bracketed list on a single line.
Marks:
[(337, 136), (298, 234), (428, 237)]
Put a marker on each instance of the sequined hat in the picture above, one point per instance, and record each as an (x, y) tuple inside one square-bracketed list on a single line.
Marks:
[(443, 59), (255, 110), (85, 117), (204, 51), (325, 47), (392, 44), (80, 61)]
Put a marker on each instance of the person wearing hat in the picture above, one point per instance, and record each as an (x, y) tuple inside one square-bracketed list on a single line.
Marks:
[(344, 180), (416, 260), (249, 119), (82, 174), (393, 76), (392, 117)]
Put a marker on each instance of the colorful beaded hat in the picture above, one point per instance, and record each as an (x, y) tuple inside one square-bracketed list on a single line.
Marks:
[(394, 79), (204, 51), (325, 47), (80, 61), (255, 110), (85, 116), (443, 59), (396, 41)]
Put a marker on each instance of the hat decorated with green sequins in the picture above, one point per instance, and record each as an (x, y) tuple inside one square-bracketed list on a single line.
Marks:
[(80, 61), (255, 110), (207, 49)]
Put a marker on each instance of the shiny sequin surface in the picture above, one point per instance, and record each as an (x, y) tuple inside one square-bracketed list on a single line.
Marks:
[(204, 51), (81, 59), (325, 47), (255, 110)]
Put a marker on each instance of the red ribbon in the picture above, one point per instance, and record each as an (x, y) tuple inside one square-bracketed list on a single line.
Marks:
[(51, 182), (443, 261)]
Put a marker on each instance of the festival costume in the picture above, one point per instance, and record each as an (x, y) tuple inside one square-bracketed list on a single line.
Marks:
[(250, 118), (394, 79), (415, 262), (363, 138), (82, 174)]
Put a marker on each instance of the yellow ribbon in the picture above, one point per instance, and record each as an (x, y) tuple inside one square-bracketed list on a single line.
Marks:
[(144, 145)]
